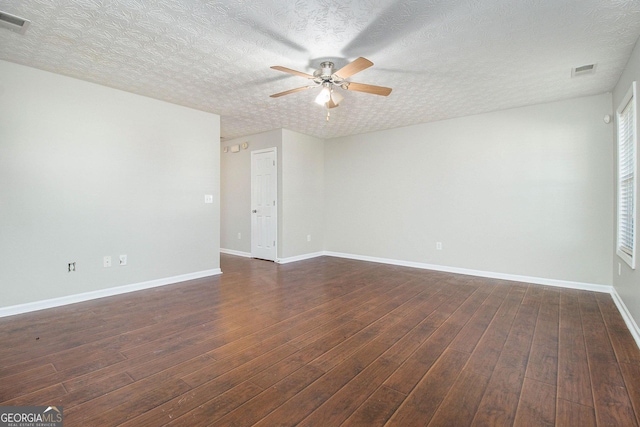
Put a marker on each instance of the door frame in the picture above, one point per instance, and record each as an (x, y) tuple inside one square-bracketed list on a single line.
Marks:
[(276, 195)]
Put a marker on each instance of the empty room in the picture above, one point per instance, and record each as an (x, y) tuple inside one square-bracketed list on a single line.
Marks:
[(319, 213)]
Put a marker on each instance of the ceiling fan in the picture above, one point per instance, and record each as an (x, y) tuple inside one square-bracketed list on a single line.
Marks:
[(329, 79)]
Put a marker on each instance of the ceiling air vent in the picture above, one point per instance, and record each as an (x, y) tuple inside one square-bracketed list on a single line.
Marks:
[(583, 70), (14, 23)]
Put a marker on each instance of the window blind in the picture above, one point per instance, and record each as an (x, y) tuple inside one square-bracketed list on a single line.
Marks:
[(627, 177)]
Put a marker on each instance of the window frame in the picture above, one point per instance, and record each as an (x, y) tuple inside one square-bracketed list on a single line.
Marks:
[(627, 251)]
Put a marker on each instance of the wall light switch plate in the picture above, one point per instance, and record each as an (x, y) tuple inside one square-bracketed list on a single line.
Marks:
[(208, 198), (123, 260), (439, 246)]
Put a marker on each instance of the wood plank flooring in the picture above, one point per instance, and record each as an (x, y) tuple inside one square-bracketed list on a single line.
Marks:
[(328, 342)]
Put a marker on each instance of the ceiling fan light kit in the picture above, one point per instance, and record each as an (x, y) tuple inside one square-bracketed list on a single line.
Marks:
[(329, 79), (336, 97), (325, 95)]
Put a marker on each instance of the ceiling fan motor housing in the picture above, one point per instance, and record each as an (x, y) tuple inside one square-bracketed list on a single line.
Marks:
[(326, 69), (325, 75)]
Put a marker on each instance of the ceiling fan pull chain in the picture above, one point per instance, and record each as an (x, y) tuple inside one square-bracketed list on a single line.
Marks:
[(328, 114)]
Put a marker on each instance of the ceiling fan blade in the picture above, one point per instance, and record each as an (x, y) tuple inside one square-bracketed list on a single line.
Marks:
[(353, 67), (287, 92), (376, 90), (294, 72)]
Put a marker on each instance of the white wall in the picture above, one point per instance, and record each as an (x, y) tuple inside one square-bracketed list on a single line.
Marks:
[(627, 284), (302, 194), (525, 191), (88, 171)]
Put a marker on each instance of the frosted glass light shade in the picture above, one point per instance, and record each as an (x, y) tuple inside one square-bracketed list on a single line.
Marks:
[(324, 96)]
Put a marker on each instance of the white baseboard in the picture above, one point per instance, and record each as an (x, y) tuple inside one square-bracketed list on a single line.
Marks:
[(236, 253), (86, 296), (628, 319), (279, 260), (479, 273), (300, 257)]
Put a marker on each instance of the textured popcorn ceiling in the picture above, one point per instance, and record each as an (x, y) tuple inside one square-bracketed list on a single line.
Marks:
[(443, 58)]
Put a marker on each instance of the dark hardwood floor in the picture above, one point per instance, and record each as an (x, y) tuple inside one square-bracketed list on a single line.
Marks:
[(328, 342)]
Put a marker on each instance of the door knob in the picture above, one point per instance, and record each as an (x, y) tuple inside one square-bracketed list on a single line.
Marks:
[(254, 211)]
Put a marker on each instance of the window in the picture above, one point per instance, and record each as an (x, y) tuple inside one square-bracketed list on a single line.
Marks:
[(627, 142)]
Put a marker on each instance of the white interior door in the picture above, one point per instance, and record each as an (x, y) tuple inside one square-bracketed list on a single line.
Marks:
[(264, 206)]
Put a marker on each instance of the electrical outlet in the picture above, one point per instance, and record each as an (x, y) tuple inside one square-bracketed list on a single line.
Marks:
[(72, 266), (439, 246), (123, 260), (239, 236), (107, 261), (208, 198), (308, 237)]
